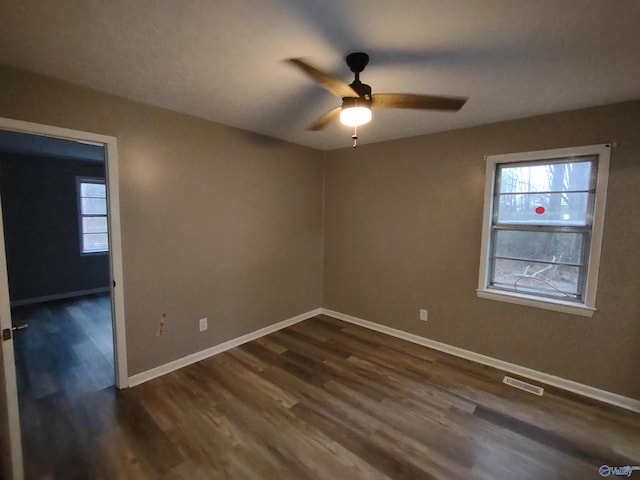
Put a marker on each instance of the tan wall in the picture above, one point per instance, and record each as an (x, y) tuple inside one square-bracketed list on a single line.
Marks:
[(226, 224), (216, 222), (403, 224)]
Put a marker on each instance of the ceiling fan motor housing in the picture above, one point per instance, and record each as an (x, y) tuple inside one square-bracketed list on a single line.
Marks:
[(349, 102), (362, 89), (364, 100)]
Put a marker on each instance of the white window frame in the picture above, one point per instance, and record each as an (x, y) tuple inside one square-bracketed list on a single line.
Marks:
[(588, 306), (79, 181)]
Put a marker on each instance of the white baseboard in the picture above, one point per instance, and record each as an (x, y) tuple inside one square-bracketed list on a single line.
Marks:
[(559, 382), (59, 296), (147, 375)]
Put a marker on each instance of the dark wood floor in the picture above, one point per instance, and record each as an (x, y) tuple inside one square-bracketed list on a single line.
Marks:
[(328, 400), (63, 360)]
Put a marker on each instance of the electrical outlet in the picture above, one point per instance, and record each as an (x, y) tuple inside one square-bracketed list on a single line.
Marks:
[(424, 315), (203, 324)]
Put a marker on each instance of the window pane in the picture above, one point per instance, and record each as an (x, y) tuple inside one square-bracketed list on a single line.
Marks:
[(95, 242), (537, 278), (545, 246), (552, 177), (94, 224), (93, 190), (569, 209), (94, 206)]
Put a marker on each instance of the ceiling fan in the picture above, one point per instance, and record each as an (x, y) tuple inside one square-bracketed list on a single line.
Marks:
[(357, 99)]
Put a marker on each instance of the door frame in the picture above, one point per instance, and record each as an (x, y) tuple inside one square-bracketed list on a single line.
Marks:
[(115, 256)]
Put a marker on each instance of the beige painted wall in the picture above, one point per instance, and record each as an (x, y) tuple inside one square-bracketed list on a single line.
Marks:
[(226, 224), (403, 224), (216, 222)]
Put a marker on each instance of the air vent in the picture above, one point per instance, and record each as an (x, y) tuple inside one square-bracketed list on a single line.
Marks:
[(527, 387)]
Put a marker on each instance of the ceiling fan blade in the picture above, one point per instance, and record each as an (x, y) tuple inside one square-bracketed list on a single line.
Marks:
[(420, 102), (324, 120), (326, 80)]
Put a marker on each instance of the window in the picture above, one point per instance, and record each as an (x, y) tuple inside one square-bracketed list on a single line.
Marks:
[(92, 210), (542, 233)]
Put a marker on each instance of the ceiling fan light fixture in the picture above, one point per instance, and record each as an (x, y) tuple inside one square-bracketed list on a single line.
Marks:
[(355, 116), (355, 112)]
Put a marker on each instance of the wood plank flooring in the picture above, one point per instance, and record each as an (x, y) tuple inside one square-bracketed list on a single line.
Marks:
[(64, 363), (323, 399)]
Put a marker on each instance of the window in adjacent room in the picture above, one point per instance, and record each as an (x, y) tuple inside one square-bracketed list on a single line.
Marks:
[(543, 220), (92, 211)]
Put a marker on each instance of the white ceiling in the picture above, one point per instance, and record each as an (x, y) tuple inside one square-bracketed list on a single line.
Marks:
[(222, 60)]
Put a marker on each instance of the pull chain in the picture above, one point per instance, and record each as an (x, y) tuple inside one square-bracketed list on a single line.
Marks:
[(355, 137)]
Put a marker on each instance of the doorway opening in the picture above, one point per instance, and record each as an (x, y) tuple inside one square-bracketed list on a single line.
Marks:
[(60, 234)]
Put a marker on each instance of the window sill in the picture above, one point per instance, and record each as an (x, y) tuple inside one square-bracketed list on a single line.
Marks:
[(93, 254), (530, 301)]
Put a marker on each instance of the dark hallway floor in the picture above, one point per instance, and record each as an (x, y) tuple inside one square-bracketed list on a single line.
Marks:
[(64, 360)]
